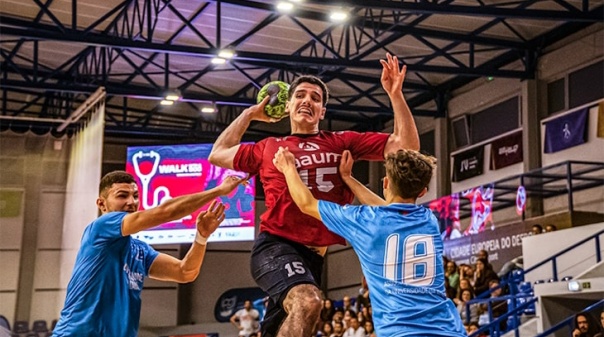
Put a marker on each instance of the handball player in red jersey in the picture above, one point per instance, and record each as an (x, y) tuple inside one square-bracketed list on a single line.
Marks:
[(287, 258)]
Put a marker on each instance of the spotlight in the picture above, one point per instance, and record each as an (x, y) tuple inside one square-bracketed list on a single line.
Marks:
[(208, 109), (166, 102), (574, 286), (173, 95), (285, 7), (218, 60), (338, 16), (226, 54)]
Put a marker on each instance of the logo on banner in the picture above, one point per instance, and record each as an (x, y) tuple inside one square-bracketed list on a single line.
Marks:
[(566, 131), (520, 200)]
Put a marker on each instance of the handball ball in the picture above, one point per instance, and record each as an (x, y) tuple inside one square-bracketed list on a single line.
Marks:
[(277, 90)]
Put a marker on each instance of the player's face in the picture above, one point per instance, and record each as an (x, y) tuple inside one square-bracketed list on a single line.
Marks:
[(121, 197), (306, 104)]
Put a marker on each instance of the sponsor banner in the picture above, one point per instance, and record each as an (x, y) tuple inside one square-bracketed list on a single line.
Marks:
[(566, 131), (506, 151), (468, 164), (503, 244), (165, 172)]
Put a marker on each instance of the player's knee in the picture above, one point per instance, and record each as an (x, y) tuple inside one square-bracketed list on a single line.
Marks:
[(305, 297)]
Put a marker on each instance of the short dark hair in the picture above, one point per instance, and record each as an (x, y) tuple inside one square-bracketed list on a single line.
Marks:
[(115, 177), (409, 171), (312, 80)]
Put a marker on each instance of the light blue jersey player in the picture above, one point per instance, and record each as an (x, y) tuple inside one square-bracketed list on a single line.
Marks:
[(398, 244)]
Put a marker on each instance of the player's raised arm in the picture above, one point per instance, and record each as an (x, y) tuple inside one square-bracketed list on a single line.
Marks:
[(365, 195), (227, 144), (285, 163), (404, 134), (176, 208)]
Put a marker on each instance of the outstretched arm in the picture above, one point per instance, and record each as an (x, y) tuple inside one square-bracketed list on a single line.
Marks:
[(404, 134), (285, 163), (227, 144), (169, 268), (176, 208), (365, 195)]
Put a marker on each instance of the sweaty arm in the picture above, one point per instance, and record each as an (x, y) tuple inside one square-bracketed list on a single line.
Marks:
[(285, 163), (226, 146), (362, 193), (404, 134), (169, 268), (176, 208)]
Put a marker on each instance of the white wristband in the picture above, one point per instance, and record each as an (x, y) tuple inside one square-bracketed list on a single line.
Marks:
[(202, 240)]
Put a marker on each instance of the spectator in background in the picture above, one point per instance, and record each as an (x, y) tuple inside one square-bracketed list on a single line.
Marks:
[(326, 330), (369, 330), (363, 297), (601, 333), (354, 329), (348, 314), (338, 329), (347, 304), (584, 325), (327, 311), (466, 296), (484, 274), (246, 319), (338, 317), (551, 228), (536, 229), (464, 284), (466, 271), (498, 308), (452, 274)]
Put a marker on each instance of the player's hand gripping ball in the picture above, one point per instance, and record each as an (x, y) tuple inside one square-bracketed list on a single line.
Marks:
[(277, 90)]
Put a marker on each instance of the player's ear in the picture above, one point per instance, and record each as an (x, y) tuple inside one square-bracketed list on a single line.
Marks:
[(323, 112), (100, 203), (422, 193), (385, 183)]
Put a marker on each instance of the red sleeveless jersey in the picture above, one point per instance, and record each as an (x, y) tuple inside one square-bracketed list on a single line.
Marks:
[(317, 160)]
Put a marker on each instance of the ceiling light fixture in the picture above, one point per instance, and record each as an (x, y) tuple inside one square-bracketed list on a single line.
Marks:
[(208, 109), (218, 60), (173, 95), (285, 6), (226, 54), (166, 102), (338, 16)]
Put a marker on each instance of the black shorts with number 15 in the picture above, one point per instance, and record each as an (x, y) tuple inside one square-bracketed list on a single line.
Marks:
[(278, 264)]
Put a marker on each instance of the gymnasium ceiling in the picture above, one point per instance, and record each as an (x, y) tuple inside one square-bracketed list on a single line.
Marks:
[(55, 53)]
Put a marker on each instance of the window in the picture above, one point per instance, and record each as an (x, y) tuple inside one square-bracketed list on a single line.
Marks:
[(495, 120), (556, 99), (586, 85), (461, 131), (426, 141)]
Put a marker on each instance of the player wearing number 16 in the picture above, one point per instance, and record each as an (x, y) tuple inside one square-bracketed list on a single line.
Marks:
[(398, 243), (287, 258)]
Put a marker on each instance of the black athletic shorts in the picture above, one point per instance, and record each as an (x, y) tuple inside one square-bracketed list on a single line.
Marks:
[(277, 265)]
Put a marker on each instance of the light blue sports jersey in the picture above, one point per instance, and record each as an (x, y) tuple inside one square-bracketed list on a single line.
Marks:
[(400, 251), (103, 295)]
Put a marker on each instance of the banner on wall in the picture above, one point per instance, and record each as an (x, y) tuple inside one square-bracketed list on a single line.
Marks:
[(566, 131), (506, 151), (468, 164), (503, 244), (600, 132)]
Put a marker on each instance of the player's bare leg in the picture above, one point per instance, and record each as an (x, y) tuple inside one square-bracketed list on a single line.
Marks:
[(303, 307)]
